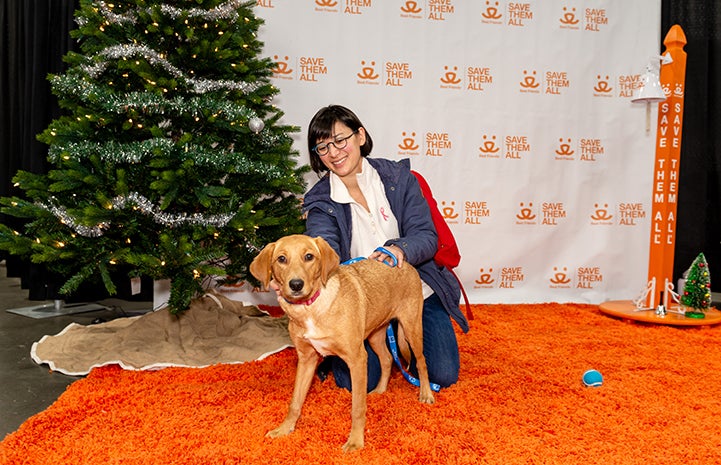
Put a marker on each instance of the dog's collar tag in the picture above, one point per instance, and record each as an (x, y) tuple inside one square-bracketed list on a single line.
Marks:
[(306, 302)]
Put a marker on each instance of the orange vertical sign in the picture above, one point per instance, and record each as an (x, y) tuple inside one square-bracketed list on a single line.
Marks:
[(666, 167)]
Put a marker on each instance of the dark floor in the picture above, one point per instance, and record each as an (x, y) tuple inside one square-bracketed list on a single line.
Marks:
[(28, 388)]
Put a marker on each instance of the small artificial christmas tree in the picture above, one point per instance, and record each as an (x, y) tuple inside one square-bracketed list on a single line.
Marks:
[(171, 162), (697, 290)]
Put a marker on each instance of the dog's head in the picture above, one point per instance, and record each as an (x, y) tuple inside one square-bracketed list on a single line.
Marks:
[(299, 264)]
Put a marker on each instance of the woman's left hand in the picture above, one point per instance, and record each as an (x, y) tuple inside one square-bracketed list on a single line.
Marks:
[(387, 259)]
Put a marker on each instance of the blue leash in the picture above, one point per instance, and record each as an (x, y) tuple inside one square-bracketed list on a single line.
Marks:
[(389, 332)]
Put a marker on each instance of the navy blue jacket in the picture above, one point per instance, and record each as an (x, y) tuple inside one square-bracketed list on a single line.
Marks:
[(419, 240)]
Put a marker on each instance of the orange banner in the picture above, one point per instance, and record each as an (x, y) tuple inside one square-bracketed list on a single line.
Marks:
[(666, 167)]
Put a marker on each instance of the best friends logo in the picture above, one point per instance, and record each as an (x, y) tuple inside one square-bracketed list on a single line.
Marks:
[(353, 7), (368, 73), (282, 68), (492, 14), (408, 145)]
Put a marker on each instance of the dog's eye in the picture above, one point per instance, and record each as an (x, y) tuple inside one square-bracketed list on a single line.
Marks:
[(281, 259), (309, 257)]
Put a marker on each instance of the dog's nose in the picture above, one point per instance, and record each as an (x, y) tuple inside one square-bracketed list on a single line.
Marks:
[(295, 284)]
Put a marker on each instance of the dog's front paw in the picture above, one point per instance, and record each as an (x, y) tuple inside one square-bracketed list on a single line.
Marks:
[(353, 444), (427, 398), (282, 430)]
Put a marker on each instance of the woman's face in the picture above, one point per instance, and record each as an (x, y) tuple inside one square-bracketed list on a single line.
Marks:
[(345, 161)]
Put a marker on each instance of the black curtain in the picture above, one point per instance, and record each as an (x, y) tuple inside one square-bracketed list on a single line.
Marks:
[(34, 36), (698, 223)]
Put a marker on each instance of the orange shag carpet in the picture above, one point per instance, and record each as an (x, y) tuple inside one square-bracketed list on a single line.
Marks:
[(520, 400)]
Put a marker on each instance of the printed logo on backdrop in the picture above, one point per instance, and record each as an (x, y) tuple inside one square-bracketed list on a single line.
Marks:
[(437, 10), (603, 87), (397, 73), (438, 144), (478, 78), (489, 148), (411, 9), (559, 278), (326, 5), (627, 214), (553, 213), (475, 211), (517, 146), (408, 145), (282, 68), (368, 73), (485, 279), (492, 14), (353, 7), (588, 277), (568, 19), (600, 215), (525, 214), (529, 82), (449, 78), (628, 84), (448, 210), (519, 14), (631, 213), (510, 277), (556, 82), (311, 69), (591, 150), (595, 19), (265, 3), (564, 150)]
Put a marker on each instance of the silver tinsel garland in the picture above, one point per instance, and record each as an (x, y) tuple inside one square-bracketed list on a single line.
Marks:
[(200, 86), (137, 151), (227, 10), (146, 207)]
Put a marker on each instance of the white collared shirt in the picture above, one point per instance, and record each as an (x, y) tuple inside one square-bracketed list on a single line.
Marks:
[(372, 228)]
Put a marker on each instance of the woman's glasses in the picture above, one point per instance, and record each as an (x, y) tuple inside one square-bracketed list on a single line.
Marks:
[(339, 143)]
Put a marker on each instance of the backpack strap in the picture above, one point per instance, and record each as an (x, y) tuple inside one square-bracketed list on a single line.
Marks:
[(447, 253)]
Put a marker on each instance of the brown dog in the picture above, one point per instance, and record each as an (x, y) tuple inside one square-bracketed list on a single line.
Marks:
[(332, 309)]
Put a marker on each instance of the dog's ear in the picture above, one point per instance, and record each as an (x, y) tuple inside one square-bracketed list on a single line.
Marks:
[(260, 266), (329, 259)]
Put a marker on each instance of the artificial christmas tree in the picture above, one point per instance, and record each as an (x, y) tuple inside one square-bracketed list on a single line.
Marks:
[(171, 161), (697, 289)]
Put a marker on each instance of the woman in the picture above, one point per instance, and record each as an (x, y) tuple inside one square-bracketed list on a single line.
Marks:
[(362, 203)]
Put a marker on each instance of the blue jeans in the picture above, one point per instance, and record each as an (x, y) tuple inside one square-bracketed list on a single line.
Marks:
[(440, 348)]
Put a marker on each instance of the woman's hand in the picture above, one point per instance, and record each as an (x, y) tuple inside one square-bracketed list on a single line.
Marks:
[(387, 259)]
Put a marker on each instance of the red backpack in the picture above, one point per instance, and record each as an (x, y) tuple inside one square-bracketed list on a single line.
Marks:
[(447, 253)]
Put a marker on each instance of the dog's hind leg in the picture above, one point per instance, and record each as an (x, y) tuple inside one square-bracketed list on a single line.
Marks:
[(377, 341), (308, 360), (414, 334)]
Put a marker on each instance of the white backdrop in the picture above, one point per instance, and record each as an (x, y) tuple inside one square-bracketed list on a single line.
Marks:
[(517, 113)]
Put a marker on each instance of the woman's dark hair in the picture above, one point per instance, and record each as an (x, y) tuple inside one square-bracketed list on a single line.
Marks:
[(321, 127)]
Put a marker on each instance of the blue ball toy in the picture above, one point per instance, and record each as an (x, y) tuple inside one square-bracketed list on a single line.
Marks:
[(592, 378)]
